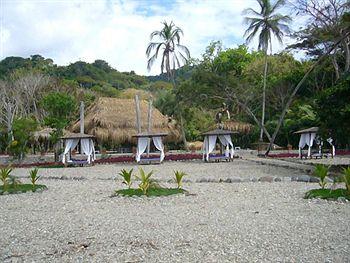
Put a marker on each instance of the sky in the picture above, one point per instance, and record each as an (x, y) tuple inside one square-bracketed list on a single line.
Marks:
[(117, 31)]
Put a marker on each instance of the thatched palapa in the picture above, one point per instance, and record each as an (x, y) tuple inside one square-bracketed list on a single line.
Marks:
[(113, 120)]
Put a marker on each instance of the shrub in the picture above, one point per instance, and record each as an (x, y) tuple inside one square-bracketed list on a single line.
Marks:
[(346, 178), (321, 171), (146, 181), (5, 176), (33, 176), (126, 176), (178, 177)]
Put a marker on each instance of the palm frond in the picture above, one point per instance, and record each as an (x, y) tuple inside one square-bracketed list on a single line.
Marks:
[(278, 4), (185, 49), (251, 11)]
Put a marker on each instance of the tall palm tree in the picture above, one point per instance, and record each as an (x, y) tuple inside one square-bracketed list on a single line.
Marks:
[(172, 53), (169, 46), (266, 23)]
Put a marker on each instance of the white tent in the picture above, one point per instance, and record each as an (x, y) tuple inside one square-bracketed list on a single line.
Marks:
[(71, 141), (308, 137), (210, 139), (144, 143)]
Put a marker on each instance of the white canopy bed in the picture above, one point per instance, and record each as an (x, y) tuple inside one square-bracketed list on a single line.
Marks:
[(209, 145), (144, 142), (310, 137), (87, 148)]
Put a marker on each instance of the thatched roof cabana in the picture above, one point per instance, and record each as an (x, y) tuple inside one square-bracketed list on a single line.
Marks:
[(113, 120)]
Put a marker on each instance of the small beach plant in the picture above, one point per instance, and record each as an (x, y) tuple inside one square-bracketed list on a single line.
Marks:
[(14, 182), (321, 171), (146, 181), (126, 176), (33, 176), (178, 177), (346, 178), (5, 176)]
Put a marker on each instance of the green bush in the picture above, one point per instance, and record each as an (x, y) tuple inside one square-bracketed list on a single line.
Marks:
[(346, 178), (321, 171), (178, 177), (5, 176), (33, 176), (146, 181), (126, 176)]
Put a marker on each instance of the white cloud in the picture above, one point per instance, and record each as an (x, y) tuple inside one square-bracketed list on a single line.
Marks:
[(116, 31)]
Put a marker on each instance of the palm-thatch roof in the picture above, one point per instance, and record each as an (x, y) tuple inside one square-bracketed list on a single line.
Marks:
[(113, 120), (71, 135), (218, 132), (237, 126), (309, 130)]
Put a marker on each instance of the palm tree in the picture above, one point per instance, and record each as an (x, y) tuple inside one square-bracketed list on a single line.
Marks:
[(266, 23), (172, 53), (169, 45)]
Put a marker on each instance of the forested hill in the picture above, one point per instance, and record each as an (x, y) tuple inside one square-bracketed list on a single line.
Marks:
[(98, 75), (181, 73)]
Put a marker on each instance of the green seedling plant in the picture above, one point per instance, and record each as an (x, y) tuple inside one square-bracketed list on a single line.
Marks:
[(321, 171), (14, 182), (346, 178), (126, 176), (5, 176), (178, 177), (146, 181), (33, 176)]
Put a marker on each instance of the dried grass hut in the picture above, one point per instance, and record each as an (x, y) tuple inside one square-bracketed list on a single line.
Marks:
[(113, 121)]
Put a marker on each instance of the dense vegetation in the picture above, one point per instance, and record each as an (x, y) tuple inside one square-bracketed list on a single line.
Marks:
[(314, 91)]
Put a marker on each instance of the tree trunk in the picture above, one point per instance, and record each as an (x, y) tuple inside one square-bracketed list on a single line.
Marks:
[(9, 119), (263, 99), (336, 67), (183, 132), (347, 55)]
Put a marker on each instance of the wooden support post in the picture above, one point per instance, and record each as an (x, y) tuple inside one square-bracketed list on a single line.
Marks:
[(82, 117), (149, 127), (138, 115), (81, 124)]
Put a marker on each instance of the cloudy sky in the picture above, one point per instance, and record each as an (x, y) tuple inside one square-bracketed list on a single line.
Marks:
[(115, 30)]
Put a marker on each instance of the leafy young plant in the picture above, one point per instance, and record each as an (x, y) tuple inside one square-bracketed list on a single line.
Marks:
[(321, 171), (346, 178), (5, 176), (178, 176), (14, 182), (146, 181), (126, 176), (33, 176)]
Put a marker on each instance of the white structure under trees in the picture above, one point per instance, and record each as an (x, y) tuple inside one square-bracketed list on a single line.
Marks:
[(209, 145), (309, 137), (144, 144)]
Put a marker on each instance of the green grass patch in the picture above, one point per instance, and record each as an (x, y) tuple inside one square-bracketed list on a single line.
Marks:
[(51, 166), (151, 192), (327, 194), (21, 188)]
